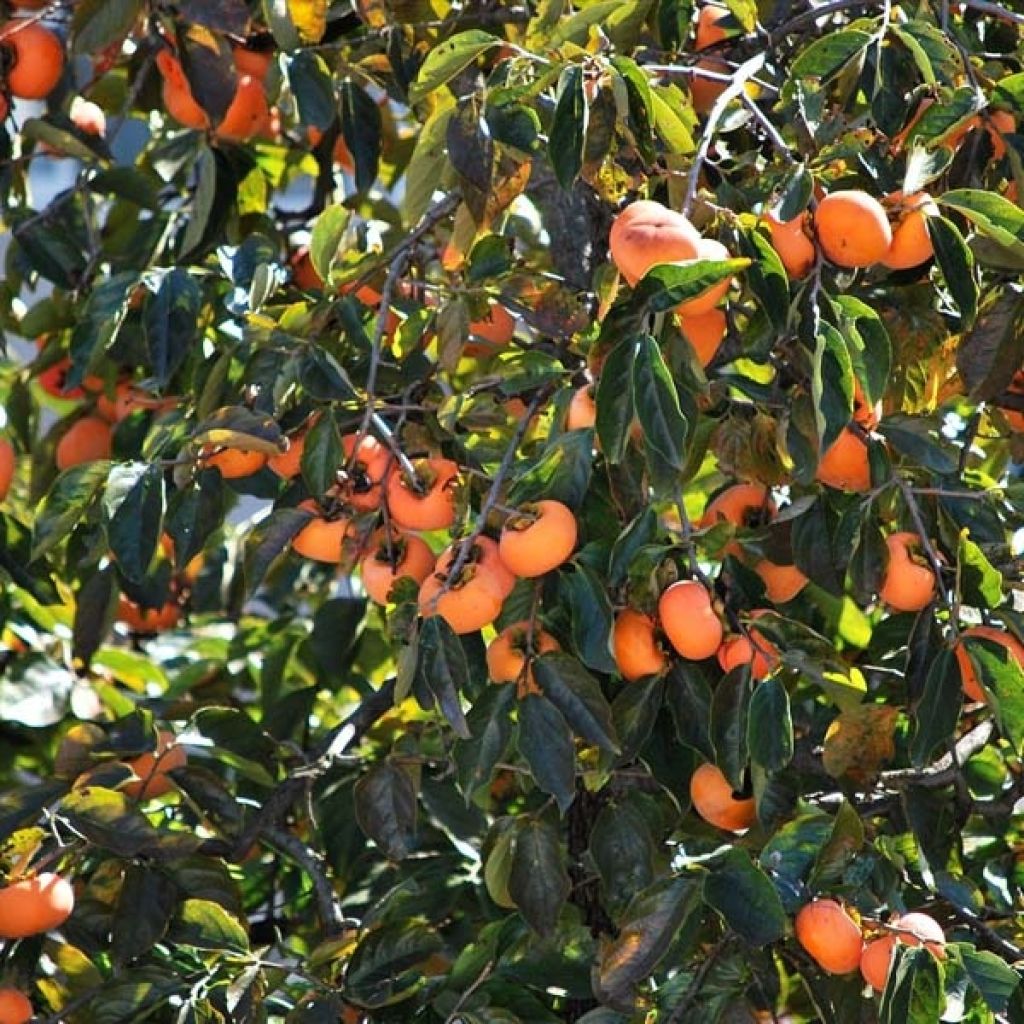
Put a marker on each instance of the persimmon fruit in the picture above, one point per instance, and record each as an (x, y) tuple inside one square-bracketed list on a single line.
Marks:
[(790, 239), (755, 650), (8, 463), (36, 58), (367, 463), (707, 249), (432, 508), (582, 412), (714, 800), (709, 30), (388, 560), (689, 620), (474, 598), (510, 654), (781, 582), (233, 463), (968, 677), (491, 332), (704, 92), (538, 537), (248, 112), (647, 233), (831, 937), (744, 505), (177, 93), (323, 539), (635, 646), (151, 768), (86, 440), (32, 906), (912, 929), (908, 585), (846, 465), (15, 1007), (252, 62), (911, 244), (704, 332), (852, 228), (147, 620)]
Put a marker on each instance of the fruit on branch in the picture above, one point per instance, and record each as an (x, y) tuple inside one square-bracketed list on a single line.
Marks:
[(35, 905), (715, 801), (689, 620), (852, 228), (635, 646), (909, 584), (831, 937), (538, 537)]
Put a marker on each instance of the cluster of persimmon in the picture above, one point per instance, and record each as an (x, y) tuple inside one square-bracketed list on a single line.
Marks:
[(836, 942)]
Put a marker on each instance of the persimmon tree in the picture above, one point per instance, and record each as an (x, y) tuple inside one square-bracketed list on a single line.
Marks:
[(510, 512)]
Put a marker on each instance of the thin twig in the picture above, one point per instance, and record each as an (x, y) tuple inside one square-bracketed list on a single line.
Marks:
[(996, 10), (464, 998), (926, 542), (699, 977), (769, 129), (312, 865)]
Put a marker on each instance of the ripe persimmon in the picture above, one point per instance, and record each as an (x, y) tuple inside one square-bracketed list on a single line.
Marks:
[(8, 463), (791, 241), (645, 234), (367, 463), (289, 463), (852, 228), (969, 678), (909, 583), (635, 646), (86, 440), (912, 929), (233, 463), (708, 30), (864, 413), (705, 91), (35, 905), (324, 539), (704, 332), (304, 274), (831, 937), (147, 620), (512, 651), (755, 650), (714, 800), (177, 93), (130, 399), (248, 113), (433, 507), (15, 1007), (391, 559), (707, 249), (743, 505), (781, 582), (845, 465), (151, 768), (36, 58), (689, 620), (252, 62), (474, 598), (490, 332), (538, 537), (582, 414), (911, 245), (999, 123)]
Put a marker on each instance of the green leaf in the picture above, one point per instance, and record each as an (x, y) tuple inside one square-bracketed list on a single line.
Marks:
[(634, 712), (790, 854), (842, 848), (134, 500), (667, 285), (614, 400), (729, 712), (766, 276), (991, 214), (171, 322), (239, 427), (657, 408), (828, 55), (269, 539), (568, 134), (831, 386), (689, 701), (380, 970), (203, 204), (361, 129), (989, 974), (385, 805), (770, 726), (448, 58), (322, 456), (913, 993), (591, 613), (490, 727), (562, 473), (577, 695), (920, 439), (1002, 677), (313, 88), (325, 243), (545, 742), (67, 502), (444, 668), (624, 851), (426, 165), (645, 936), (207, 925), (94, 614), (145, 904), (538, 882), (868, 345), (98, 23), (981, 583), (956, 261), (745, 897)]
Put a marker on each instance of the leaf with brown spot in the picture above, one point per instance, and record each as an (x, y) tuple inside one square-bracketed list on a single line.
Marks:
[(858, 741)]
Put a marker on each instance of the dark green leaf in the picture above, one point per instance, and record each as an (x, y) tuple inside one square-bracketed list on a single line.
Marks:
[(667, 285), (990, 213), (1002, 677), (770, 726), (634, 712), (379, 971), (657, 408), (624, 851), (310, 81), (981, 583), (990, 975), (145, 904), (94, 613), (67, 502), (361, 129), (729, 711), (134, 501), (385, 803), (269, 539), (746, 898), (614, 399), (568, 133), (831, 386), (591, 617), (322, 456), (490, 728), (568, 685), (538, 882), (98, 23), (827, 55), (445, 670), (913, 994), (545, 741), (172, 322), (956, 261)]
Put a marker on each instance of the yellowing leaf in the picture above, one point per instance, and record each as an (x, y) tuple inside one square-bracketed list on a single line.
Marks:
[(309, 17), (858, 741)]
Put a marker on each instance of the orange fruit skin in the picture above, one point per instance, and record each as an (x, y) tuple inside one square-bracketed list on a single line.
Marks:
[(704, 332), (490, 333), (8, 462), (830, 936), (645, 234), (248, 113), (705, 91), (907, 587), (758, 652), (432, 510), (876, 960), (304, 274), (233, 463), (15, 1007), (1000, 123), (130, 400), (371, 462), (708, 30), (582, 413), (177, 93), (38, 59), (781, 582), (474, 600), (289, 463), (413, 559), (152, 768), (634, 647), (1015, 417), (852, 228), (252, 62), (739, 504), (148, 620), (87, 440), (542, 545), (35, 905), (790, 241), (712, 798), (868, 416), (322, 539), (911, 245), (707, 249), (689, 621), (506, 653), (845, 465), (969, 678)]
